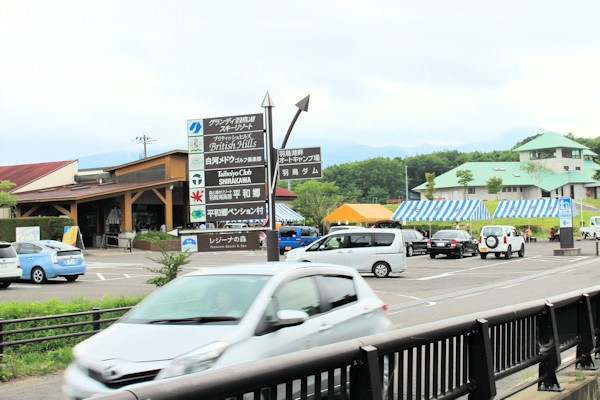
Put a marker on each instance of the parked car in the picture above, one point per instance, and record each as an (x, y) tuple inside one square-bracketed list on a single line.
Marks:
[(370, 250), (500, 240), (10, 266), (388, 223), (292, 237), (45, 259), (226, 316), (452, 242), (414, 242)]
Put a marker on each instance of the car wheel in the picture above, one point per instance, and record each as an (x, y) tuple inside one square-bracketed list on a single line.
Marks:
[(476, 252), (461, 252), (497, 255), (38, 275), (508, 253), (71, 278), (492, 241), (281, 252), (431, 255), (381, 269), (522, 251), (483, 255), (409, 251), (5, 284)]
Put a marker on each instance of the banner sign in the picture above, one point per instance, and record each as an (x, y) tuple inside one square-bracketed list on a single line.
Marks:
[(229, 241)]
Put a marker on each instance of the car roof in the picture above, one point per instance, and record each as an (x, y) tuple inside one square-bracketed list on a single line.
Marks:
[(52, 243), (369, 230), (272, 268)]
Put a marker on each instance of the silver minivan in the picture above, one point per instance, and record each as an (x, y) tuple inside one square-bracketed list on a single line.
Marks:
[(371, 250)]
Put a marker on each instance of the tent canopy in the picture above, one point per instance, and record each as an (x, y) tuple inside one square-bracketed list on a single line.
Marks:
[(530, 208), (441, 210), (358, 213)]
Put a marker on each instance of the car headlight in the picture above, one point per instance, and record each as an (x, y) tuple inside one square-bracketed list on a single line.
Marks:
[(201, 360)]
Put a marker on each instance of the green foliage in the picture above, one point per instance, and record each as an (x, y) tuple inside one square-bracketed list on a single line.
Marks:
[(153, 236), (430, 191), (316, 199), (494, 185), (49, 355), (464, 177), (171, 262), (50, 227), (7, 199)]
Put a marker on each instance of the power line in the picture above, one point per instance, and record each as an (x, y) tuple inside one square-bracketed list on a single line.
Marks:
[(145, 140)]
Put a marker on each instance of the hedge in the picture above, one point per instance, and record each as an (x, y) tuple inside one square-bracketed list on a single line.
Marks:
[(50, 227)]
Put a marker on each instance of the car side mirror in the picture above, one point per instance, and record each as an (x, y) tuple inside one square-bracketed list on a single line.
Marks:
[(286, 318)]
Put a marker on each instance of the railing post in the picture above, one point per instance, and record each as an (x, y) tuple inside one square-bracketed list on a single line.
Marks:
[(96, 318), (586, 331), (481, 369), (1, 338), (365, 383), (549, 349)]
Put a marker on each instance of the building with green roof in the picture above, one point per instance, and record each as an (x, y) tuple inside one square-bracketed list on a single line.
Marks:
[(550, 165)]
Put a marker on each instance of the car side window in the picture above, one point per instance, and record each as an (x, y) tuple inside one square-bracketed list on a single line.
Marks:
[(338, 290), (383, 239), (359, 240), (300, 294), (332, 243), (28, 248)]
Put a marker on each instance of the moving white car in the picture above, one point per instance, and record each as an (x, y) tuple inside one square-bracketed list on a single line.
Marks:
[(371, 250), (226, 316)]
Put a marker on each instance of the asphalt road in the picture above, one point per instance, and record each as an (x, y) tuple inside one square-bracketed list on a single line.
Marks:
[(429, 290)]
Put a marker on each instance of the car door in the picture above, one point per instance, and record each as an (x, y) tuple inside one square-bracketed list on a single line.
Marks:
[(359, 252), (328, 250), (28, 256)]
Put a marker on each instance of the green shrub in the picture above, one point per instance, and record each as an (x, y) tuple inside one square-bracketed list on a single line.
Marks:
[(50, 227), (154, 236)]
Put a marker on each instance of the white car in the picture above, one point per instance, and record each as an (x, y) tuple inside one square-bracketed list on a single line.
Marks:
[(500, 240), (10, 266), (371, 250), (226, 316)]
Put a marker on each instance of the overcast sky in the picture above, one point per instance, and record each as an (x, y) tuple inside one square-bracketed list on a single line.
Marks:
[(79, 78)]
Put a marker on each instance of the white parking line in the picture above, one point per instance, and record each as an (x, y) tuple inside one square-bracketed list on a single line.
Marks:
[(101, 277), (468, 295)]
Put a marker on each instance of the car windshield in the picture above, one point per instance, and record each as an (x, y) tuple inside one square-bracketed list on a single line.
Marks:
[(446, 235), (199, 299)]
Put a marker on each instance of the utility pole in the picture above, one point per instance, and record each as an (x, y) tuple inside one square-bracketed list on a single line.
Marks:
[(406, 182), (145, 140)]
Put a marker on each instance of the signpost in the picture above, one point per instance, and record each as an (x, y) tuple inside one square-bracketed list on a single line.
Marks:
[(565, 219), (299, 163)]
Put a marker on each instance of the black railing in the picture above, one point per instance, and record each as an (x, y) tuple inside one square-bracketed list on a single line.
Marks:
[(16, 332), (464, 356)]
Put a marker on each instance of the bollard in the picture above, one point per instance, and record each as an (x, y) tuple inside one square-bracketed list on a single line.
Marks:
[(596, 247)]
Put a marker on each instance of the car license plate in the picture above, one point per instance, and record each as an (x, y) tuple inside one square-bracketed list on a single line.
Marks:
[(483, 250), (71, 261), (288, 247)]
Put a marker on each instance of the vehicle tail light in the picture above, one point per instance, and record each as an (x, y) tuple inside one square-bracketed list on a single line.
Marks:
[(384, 307), (54, 258), (429, 242), (505, 240), (298, 240), (480, 239), (454, 243), (18, 265)]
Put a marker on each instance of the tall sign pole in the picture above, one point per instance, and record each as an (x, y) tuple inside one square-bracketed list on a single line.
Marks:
[(272, 240)]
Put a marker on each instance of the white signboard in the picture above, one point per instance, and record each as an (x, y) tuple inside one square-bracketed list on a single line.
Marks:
[(189, 243), (565, 213), (27, 233)]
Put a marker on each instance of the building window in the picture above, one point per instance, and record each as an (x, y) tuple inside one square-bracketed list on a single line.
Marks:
[(578, 168), (566, 167), (471, 190), (542, 154), (504, 189), (571, 153)]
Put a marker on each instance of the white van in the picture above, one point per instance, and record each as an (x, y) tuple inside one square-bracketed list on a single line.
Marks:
[(374, 250)]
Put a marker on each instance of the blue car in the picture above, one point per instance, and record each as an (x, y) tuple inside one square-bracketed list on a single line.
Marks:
[(44, 259)]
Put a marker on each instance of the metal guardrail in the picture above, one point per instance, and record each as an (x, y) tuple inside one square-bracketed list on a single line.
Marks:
[(39, 333), (114, 240), (448, 359)]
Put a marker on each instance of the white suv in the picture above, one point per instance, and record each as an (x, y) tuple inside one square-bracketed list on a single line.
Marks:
[(500, 239), (10, 267)]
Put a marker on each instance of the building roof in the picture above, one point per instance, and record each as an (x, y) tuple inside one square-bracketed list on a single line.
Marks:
[(550, 140), (511, 173), (24, 174), (282, 193)]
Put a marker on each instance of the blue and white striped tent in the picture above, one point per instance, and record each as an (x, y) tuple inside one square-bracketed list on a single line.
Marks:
[(441, 210), (530, 208)]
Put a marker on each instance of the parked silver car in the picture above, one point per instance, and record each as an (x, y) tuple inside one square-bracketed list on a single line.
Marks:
[(226, 316)]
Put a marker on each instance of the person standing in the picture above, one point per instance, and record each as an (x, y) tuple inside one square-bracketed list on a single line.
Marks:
[(457, 227)]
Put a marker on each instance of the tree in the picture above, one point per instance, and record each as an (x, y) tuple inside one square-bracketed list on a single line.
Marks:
[(494, 185), (536, 171), (430, 191), (7, 199), (464, 177), (316, 199)]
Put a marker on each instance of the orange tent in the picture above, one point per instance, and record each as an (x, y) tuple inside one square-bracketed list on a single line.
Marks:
[(358, 213)]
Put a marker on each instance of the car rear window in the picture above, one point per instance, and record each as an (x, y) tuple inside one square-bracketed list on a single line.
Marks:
[(492, 231), (7, 251), (287, 232)]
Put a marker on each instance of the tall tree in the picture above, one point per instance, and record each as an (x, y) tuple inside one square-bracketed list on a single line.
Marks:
[(316, 199), (430, 191), (464, 177), (494, 186)]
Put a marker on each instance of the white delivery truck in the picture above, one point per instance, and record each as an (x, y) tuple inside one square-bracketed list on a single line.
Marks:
[(593, 229)]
